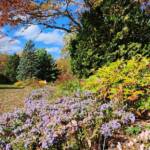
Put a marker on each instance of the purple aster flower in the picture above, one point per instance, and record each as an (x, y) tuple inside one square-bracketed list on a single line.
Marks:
[(35, 131), (106, 130), (105, 106), (8, 147), (45, 144), (128, 117), (144, 6), (114, 124), (119, 113)]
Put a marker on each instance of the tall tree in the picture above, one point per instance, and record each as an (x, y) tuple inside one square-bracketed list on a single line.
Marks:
[(47, 68), (111, 30), (11, 67), (28, 66)]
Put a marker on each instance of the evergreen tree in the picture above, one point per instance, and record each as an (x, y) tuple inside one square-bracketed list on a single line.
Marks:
[(47, 67), (28, 66), (110, 30), (11, 67)]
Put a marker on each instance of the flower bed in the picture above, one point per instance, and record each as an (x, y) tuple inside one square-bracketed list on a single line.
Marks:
[(75, 122)]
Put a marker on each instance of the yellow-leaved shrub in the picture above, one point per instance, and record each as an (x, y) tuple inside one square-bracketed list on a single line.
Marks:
[(123, 80)]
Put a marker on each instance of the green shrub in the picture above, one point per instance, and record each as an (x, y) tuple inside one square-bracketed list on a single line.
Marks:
[(68, 87), (133, 130), (4, 79)]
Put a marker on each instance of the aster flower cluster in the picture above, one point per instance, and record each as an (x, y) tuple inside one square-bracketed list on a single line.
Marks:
[(45, 125), (108, 128), (145, 5), (43, 122), (119, 117)]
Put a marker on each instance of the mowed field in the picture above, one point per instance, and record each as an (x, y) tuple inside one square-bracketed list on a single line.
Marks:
[(11, 98)]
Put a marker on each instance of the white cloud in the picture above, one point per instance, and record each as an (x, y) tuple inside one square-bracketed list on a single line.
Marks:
[(55, 37), (7, 44), (33, 32), (53, 50), (29, 33)]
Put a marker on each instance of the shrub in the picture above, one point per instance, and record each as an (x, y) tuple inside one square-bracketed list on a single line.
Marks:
[(65, 73), (123, 80), (135, 130), (35, 83), (19, 83), (42, 83), (4, 79), (68, 87)]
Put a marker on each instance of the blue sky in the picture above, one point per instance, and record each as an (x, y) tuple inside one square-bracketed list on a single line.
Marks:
[(16, 37), (51, 40)]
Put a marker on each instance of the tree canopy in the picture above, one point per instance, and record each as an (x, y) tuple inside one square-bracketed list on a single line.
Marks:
[(47, 69), (46, 12), (49, 13), (111, 30)]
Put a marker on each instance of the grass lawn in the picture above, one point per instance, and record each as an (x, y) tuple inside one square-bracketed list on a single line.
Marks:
[(12, 97), (8, 86)]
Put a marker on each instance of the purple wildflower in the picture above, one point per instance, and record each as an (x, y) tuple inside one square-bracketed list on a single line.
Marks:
[(45, 144), (106, 130), (8, 147), (105, 106), (128, 117), (119, 113), (144, 6), (114, 124)]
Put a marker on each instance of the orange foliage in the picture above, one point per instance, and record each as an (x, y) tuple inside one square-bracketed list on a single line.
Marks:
[(3, 60), (13, 11), (65, 70)]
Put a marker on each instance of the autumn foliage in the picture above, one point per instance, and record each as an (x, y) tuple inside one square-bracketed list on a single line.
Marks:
[(123, 81), (65, 70), (12, 10), (3, 60)]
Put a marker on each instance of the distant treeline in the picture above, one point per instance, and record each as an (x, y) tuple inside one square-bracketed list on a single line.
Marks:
[(32, 63)]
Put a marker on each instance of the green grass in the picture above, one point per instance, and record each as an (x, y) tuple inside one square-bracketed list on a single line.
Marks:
[(8, 86)]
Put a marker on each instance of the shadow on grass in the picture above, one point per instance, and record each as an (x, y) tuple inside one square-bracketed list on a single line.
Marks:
[(3, 86)]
